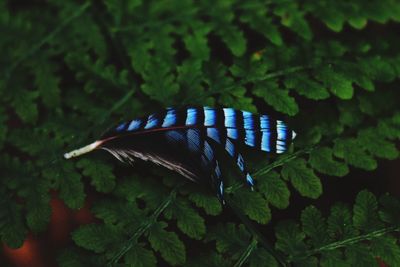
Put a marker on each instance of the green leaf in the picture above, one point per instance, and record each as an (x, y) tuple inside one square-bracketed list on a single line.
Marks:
[(351, 150), (189, 221), (167, 243), (307, 87), (278, 98), (211, 259), (377, 145), (237, 98), (197, 44), (139, 55), (390, 211), (330, 13), (302, 178), (160, 83), (233, 38), (308, 262), (74, 257), (95, 237), (293, 18), (69, 258), (12, 228), (71, 187), (338, 84), (260, 257), (119, 213), (290, 239), (209, 203), (350, 114), (101, 174), (366, 212), (314, 226), (142, 188), (321, 159), (274, 189), (332, 258), (25, 106), (261, 22), (359, 75), (231, 94), (190, 76), (360, 255), (38, 208), (387, 249), (358, 23), (340, 222), (253, 205), (70, 69), (48, 84), (378, 68), (230, 238), (390, 127), (248, 69), (138, 256)]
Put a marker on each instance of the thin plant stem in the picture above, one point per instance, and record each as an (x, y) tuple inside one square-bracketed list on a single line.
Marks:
[(144, 227), (78, 12), (348, 241), (246, 253)]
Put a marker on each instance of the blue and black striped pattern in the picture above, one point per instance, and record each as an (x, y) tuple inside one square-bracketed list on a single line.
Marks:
[(204, 127), (257, 131), (199, 148)]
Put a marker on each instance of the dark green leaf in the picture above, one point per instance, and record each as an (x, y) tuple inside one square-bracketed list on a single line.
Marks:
[(209, 203), (276, 97), (95, 237), (189, 221), (352, 151), (274, 189), (140, 257), (253, 205), (366, 212), (167, 243), (321, 159), (302, 178), (260, 257), (386, 248), (101, 174), (314, 226), (290, 239)]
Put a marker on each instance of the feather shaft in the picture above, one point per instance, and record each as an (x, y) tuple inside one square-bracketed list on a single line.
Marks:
[(82, 150)]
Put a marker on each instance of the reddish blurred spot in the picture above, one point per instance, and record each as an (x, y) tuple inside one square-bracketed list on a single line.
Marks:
[(83, 215), (41, 251), (381, 263), (60, 222), (27, 255)]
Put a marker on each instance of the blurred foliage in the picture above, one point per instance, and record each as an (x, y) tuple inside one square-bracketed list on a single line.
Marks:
[(70, 69)]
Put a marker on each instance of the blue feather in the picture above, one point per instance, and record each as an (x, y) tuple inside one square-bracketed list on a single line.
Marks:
[(185, 140)]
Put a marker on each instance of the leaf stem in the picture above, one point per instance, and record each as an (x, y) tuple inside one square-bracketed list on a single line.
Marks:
[(117, 105), (246, 254), (283, 72), (256, 234), (268, 76), (283, 160), (144, 227), (349, 241), (48, 37)]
